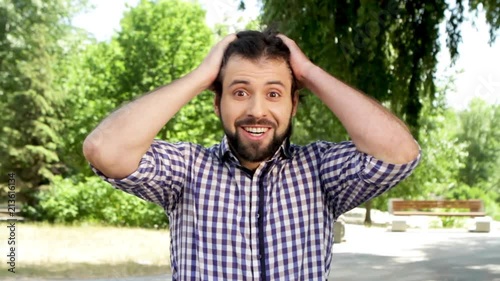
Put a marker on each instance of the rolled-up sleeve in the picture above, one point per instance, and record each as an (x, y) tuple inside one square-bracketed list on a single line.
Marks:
[(160, 176), (350, 177)]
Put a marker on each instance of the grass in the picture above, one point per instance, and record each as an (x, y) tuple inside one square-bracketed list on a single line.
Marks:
[(55, 251)]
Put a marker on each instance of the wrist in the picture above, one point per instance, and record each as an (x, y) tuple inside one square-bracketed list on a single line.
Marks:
[(309, 72), (202, 77)]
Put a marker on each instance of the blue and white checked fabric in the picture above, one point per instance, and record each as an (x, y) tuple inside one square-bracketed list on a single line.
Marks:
[(276, 223)]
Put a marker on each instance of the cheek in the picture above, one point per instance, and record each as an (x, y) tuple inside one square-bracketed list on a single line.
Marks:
[(230, 109), (283, 113), (228, 114)]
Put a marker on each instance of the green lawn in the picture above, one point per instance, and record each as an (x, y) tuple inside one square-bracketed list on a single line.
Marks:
[(86, 251)]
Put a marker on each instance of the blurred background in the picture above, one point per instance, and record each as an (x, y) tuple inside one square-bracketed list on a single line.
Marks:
[(66, 64)]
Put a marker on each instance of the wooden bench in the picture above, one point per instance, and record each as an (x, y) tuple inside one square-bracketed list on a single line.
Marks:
[(457, 208)]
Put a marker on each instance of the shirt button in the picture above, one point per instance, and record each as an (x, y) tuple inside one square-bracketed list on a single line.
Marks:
[(258, 215), (259, 257)]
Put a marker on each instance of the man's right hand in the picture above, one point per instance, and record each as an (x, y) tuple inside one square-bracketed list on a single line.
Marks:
[(211, 64), (117, 145)]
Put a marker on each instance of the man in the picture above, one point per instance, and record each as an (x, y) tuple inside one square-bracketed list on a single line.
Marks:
[(253, 207)]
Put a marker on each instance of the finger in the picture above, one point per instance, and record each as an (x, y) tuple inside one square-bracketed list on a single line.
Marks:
[(283, 36), (227, 40), (285, 39), (289, 43), (218, 49)]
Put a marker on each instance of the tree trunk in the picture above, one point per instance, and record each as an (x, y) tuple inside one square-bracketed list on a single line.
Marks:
[(368, 216)]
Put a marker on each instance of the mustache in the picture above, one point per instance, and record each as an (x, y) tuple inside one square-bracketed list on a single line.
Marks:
[(252, 121)]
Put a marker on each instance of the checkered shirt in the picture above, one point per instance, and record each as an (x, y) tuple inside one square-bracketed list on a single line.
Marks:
[(276, 223)]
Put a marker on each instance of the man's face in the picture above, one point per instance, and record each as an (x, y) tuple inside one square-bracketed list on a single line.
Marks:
[(256, 107)]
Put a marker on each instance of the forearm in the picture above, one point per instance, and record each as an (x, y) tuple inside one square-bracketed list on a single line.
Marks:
[(373, 129), (117, 144)]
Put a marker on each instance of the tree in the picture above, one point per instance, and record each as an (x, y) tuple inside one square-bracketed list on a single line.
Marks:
[(162, 41), (31, 42), (442, 156), (159, 41), (479, 132), (386, 49), (92, 85)]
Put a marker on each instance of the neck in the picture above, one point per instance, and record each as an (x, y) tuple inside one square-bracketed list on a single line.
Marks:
[(249, 165)]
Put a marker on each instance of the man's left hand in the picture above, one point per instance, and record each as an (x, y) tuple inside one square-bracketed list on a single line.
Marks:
[(300, 64)]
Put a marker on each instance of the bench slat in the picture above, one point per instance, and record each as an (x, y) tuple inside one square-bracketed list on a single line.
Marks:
[(440, 214), (471, 208)]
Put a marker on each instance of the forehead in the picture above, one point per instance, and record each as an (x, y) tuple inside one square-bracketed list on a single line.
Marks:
[(257, 71)]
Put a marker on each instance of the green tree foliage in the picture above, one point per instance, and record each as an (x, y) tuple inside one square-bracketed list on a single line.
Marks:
[(159, 42), (461, 156), (31, 41), (442, 158), (92, 85), (162, 41), (479, 175), (491, 7), (479, 131), (81, 201), (387, 49)]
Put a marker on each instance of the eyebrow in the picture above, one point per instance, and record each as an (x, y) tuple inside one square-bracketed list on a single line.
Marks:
[(275, 82), (272, 82), (239, 82)]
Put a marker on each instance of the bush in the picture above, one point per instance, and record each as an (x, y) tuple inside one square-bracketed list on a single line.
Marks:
[(453, 222), (465, 192), (93, 201)]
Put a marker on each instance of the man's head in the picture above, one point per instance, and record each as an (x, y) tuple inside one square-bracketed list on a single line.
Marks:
[(256, 95), (255, 45)]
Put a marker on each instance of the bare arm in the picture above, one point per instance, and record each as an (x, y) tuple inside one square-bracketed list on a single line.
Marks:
[(372, 128), (116, 146)]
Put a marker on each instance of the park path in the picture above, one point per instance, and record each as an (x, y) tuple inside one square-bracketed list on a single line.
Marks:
[(423, 255), (417, 255)]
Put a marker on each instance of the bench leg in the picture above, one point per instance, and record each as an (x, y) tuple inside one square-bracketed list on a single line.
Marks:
[(399, 224), (483, 224)]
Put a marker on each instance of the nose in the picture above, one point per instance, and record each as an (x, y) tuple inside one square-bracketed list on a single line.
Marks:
[(257, 106)]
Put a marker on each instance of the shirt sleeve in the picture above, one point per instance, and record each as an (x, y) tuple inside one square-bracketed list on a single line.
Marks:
[(350, 177), (160, 176)]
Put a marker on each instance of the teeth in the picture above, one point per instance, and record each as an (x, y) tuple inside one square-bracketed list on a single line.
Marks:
[(256, 130)]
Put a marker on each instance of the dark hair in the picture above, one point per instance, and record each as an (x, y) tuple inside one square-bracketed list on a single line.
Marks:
[(254, 45)]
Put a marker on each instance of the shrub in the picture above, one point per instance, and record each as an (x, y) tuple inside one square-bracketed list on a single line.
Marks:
[(93, 201), (480, 191), (453, 222)]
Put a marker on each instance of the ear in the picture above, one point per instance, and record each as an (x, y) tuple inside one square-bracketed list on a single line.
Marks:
[(217, 105), (295, 102)]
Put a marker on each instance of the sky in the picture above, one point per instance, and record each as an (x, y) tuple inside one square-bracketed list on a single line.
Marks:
[(476, 71)]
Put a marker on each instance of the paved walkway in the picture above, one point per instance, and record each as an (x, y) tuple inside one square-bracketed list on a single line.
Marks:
[(427, 255)]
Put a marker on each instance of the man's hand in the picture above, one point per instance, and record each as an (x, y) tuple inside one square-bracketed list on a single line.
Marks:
[(211, 64), (300, 64), (117, 145), (373, 129)]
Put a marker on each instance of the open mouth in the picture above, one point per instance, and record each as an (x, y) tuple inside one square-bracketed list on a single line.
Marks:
[(256, 131)]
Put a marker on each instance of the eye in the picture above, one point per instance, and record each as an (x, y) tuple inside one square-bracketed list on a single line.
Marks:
[(274, 95), (240, 93)]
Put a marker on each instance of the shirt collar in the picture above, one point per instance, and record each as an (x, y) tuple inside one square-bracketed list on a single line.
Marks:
[(225, 151)]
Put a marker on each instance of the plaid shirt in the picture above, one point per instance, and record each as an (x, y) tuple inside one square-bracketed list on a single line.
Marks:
[(229, 223)]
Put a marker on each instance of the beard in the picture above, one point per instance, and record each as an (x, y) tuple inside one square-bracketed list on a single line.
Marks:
[(255, 151)]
